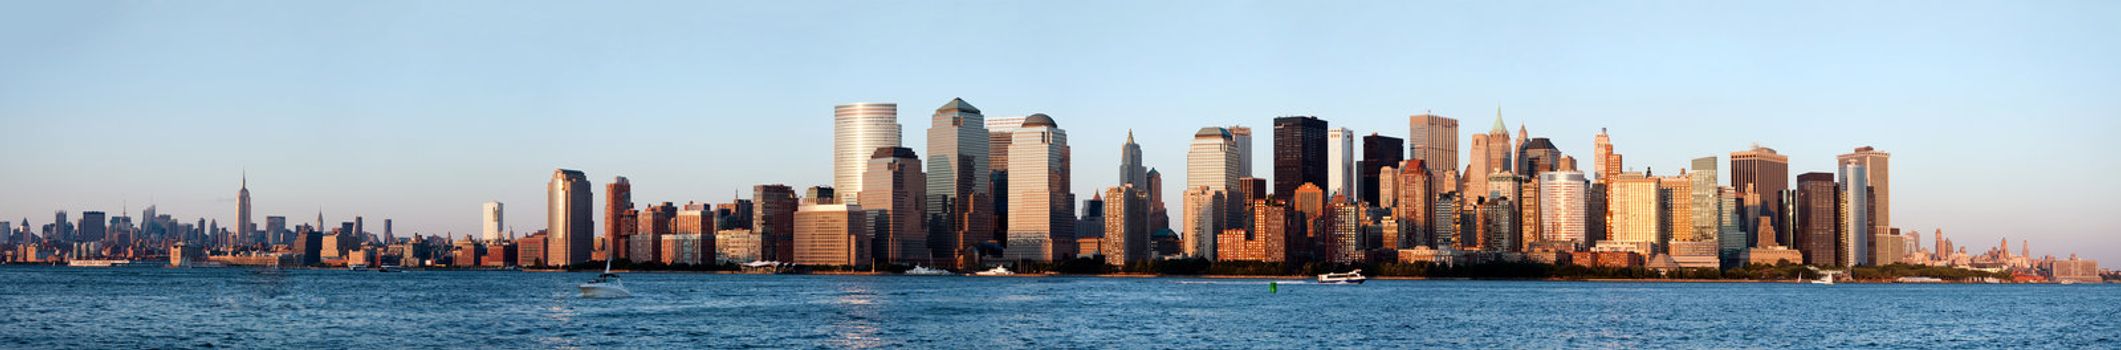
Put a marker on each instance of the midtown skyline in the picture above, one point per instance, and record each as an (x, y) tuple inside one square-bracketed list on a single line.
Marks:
[(355, 149)]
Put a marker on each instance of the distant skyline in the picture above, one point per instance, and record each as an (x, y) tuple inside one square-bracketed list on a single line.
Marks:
[(1995, 113)]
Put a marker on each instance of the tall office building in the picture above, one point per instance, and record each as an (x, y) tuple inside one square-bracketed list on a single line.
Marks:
[(243, 225), (619, 219), (893, 192), (858, 130), (1434, 141), (1562, 206), (1490, 154), (1608, 163), (1340, 164), (1817, 212), (1879, 167), (1299, 153), (1377, 152), (958, 170), (1413, 201), (568, 229), (1242, 137), (1038, 194), (1536, 156), (275, 228), (1706, 199), (1633, 204), (773, 217), (1856, 208), (490, 227), (1131, 171), (1126, 224), (1203, 213), (832, 235), (1768, 174), (1212, 164), (1001, 132)]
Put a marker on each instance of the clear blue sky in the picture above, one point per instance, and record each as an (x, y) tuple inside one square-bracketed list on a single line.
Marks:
[(1999, 114)]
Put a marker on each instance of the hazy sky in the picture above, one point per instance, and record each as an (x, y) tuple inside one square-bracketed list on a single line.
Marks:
[(1998, 115)]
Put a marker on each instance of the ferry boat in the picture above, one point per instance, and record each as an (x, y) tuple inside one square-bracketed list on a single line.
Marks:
[(605, 286), (99, 263), (997, 271), (927, 271), (1350, 277)]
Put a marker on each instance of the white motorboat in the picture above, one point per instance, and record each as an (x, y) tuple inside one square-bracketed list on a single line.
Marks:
[(606, 285), (1825, 278), (1350, 277), (927, 271), (997, 271)]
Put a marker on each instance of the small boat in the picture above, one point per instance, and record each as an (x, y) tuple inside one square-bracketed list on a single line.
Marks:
[(387, 268), (927, 271), (1825, 279), (1350, 277), (997, 271), (356, 267), (606, 285)]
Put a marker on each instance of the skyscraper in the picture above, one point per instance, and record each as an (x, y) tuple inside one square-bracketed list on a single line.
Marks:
[(1879, 167), (1768, 174), (568, 227), (832, 235), (1212, 164), (1562, 206), (1434, 141), (1340, 164), (619, 224), (243, 225), (1491, 153), (1242, 137), (1299, 153), (958, 169), (1131, 171), (858, 130), (893, 191), (1413, 201), (1608, 163), (490, 228), (774, 219), (1126, 223), (1203, 213), (1817, 214), (1377, 152), (1038, 196), (1635, 215), (1856, 206)]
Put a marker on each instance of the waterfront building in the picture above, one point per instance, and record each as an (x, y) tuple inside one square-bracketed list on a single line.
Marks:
[(1562, 215), (773, 219), (1038, 193), (1768, 174), (1412, 201), (1378, 152), (893, 191), (490, 226), (620, 222), (1202, 208), (1299, 153), (2074, 270), (1433, 140), (1878, 167), (568, 225), (1818, 210), (696, 226), (859, 129), (1633, 204), (1212, 165), (959, 168), (737, 246), (1340, 164), (832, 235), (1126, 225), (644, 242), (1856, 208), (1342, 231), (1705, 199)]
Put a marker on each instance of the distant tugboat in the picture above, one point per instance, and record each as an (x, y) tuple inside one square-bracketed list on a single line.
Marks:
[(1350, 277)]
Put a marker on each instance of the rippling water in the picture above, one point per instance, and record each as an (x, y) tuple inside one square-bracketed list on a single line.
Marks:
[(64, 308)]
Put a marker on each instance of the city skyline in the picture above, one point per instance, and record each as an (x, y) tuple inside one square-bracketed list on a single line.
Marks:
[(388, 161)]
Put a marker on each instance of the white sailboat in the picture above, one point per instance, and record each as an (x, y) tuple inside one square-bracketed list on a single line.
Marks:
[(606, 285)]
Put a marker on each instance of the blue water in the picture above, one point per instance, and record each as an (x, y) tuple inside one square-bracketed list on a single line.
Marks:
[(125, 308)]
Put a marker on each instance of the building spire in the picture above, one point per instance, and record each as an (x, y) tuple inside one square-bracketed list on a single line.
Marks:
[(1130, 136), (1499, 127)]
